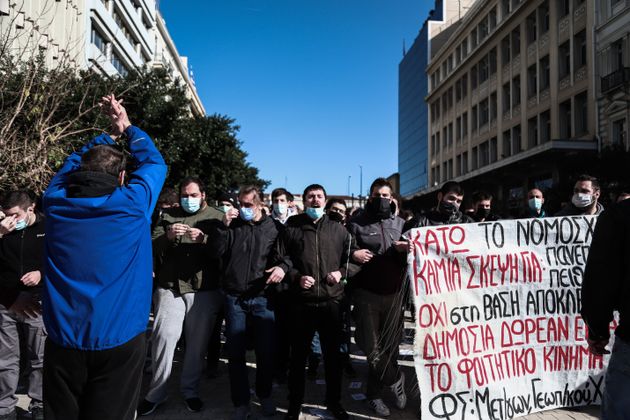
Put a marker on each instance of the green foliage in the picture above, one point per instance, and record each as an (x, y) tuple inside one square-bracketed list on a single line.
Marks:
[(46, 114)]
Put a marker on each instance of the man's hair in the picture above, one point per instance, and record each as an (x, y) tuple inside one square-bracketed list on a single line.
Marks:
[(380, 183), (281, 191), (481, 196), (452, 187), (585, 177), (192, 180), (313, 187), (335, 200), (104, 158), (169, 196), (21, 198), (248, 189)]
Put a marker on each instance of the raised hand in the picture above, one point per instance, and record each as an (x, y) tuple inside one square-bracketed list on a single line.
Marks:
[(116, 113)]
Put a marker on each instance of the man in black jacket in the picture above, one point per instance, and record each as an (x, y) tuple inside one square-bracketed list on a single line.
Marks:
[(317, 250), (247, 242), (21, 255), (606, 288), (447, 211), (377, 293)]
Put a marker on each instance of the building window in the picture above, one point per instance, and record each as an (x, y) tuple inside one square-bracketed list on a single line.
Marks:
[(450, 169), (119, 65), (475, 158), (616, 51), (464, 86), (484, 112), (450, 134), (493, 150), (506, 98), (579, 47), (505, 8), (505, 50), (493, 106), (437, 142), (532, 132), (458, 90), (507, 144), (458, 129), (516, 41), (531, 28), (543, 17), (581, 114), (473, 39), (483, 69), (484, 154), (473, 77), (545, 127), (433, 148), (444, 138), (492, 19), (564, 60), (492, 57), (531, 81), (99, 41), (563, 7), (544, 73), (516, 139), (483, 30), (475, 121), (565, 119), (619, 132), (516, 91), (464, 124), (464, 163)]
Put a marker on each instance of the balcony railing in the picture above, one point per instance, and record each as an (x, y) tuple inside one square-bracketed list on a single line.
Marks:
[(615, 79)]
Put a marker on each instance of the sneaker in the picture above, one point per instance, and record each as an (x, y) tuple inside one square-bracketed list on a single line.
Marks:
[(293, 413), (399, 392), (146, 407), (194, 405), (241, 412), (268, 407), (379, 407), (338, 412), (11, 416)]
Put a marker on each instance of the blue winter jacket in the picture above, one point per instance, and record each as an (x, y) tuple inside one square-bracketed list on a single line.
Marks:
[(98, 268)]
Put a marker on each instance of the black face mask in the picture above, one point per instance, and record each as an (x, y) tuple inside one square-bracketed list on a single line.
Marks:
[(446, 207), (335, 217), (482, 213), (380, 207)]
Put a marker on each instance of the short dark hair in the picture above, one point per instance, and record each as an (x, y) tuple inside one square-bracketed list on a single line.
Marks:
[(104, 158), (192, 180), (335, 200), (313, 187), (281, 191), (21, 198), (585, 177), (452, 186), (380, 183), (168, 195), (481, 196)]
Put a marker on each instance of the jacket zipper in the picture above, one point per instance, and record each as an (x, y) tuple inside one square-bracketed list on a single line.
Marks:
[(317, 261), (383, 237), (249, 263)]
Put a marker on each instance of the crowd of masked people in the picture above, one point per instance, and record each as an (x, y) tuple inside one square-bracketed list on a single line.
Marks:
[(286, 282)]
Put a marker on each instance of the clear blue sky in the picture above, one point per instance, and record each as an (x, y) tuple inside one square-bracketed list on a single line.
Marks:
[(313, 84)]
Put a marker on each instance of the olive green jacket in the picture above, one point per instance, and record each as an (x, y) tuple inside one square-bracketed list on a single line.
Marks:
[(181, 264)]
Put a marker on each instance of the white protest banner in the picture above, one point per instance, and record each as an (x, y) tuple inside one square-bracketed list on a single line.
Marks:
[(498, 330)]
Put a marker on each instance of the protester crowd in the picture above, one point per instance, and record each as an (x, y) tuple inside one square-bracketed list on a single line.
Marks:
[(108, 247)]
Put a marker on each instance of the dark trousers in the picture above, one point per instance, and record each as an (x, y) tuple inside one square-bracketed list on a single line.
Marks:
[(282, 305), (244, 316), (93, 385), (379, 325), (324, 318)]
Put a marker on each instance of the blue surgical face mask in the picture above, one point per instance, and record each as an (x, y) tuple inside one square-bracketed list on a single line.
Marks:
[(225, 209), (21, 224), (280, 209), (315, 212), (191, 204), (247, 213), (535, 203)]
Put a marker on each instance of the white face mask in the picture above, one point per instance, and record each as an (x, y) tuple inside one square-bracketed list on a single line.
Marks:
[(580, 200), (280, 209), (535, 203)]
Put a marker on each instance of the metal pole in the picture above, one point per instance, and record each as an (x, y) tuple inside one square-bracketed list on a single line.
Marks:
[(349, 176), (360, 185)]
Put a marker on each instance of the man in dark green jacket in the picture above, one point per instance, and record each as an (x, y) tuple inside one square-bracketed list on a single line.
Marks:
[(186, 289)]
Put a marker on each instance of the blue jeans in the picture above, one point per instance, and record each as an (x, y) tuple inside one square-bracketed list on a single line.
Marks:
[(244, 317), (616, 404)]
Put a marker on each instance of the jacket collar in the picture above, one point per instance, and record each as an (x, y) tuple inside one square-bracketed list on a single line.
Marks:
[(81, 184)]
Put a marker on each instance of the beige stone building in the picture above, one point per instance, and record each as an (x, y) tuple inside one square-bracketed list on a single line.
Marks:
[(511, 96), (108, 36)]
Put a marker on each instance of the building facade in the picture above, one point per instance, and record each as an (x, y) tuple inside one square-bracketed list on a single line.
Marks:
[(612, 67), (111, 37), (413, 114), (511, 91)]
